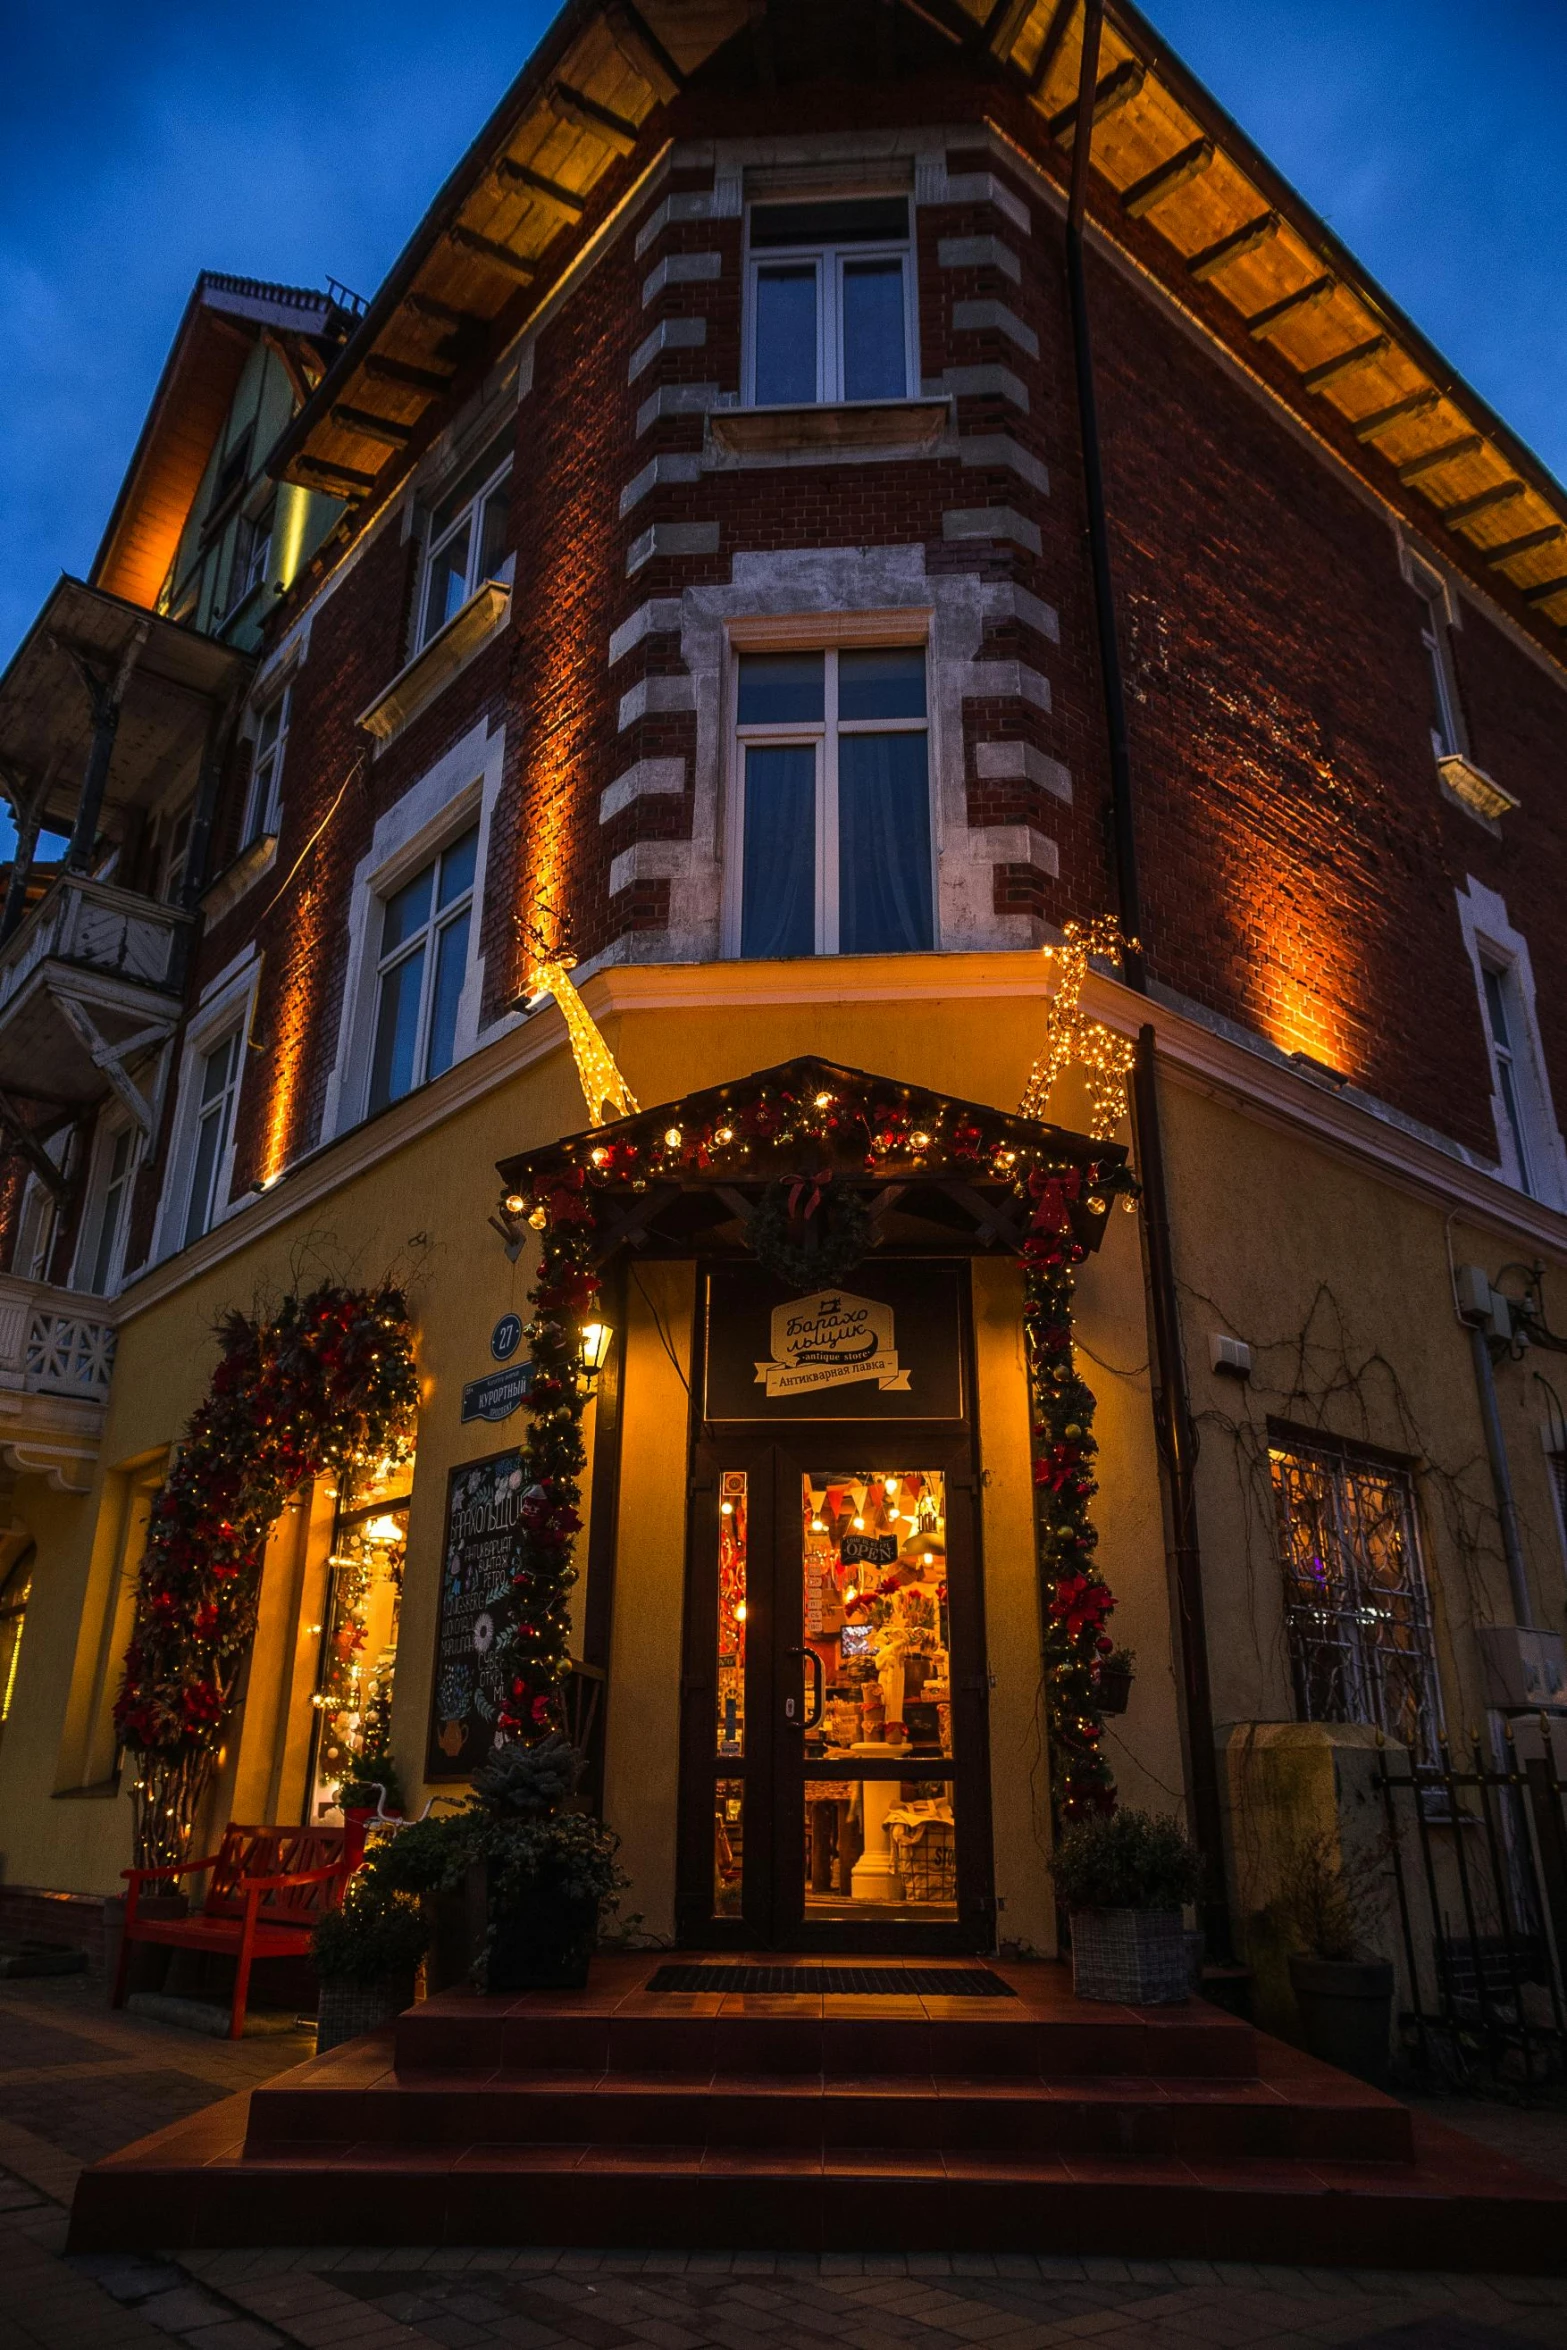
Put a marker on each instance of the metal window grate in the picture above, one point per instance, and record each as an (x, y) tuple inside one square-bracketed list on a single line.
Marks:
[(921, 1982), (1356, 1603)]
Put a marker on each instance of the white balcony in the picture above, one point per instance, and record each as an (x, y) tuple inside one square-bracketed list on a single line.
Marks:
[(56, 1361), (88, 984)]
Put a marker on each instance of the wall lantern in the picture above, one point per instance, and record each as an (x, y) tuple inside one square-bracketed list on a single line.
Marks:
[(594, 1351)]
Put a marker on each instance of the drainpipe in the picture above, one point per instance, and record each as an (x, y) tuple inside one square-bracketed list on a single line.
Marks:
[(1501, 1475), (1173, 1424)]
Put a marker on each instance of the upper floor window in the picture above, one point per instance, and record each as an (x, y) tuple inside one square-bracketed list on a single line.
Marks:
[(264, 796), (1356, 1606), (173, 855), (420, 972), (1504, 1016), (468, 533), (833, 804), (217, 1092), (1447, 726), (831, 301), (107, 1212), (252, 555)]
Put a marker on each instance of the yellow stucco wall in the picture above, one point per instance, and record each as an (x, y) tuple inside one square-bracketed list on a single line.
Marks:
[(1267, 1228)]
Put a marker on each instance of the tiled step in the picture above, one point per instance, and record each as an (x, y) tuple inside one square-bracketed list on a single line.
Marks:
[(1313, 2115), (596, 2032), (1456, 2205)]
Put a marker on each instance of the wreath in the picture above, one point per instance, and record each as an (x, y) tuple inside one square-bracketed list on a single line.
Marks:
[(808, 1235)]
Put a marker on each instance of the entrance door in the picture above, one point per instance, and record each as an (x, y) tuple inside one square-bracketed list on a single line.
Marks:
[(835, 1781)]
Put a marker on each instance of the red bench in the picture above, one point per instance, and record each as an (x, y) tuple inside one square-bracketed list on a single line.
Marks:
[(267, 1888)]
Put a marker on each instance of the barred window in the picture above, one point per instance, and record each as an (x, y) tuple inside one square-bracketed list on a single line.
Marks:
[(1355, 1600)]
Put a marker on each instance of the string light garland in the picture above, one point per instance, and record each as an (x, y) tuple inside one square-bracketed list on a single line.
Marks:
[(808, 1129), (1070, 1036), (604, 1090), (327, 1382)]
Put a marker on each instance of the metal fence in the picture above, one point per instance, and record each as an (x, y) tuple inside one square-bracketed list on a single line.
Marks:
[(1478, 1855)]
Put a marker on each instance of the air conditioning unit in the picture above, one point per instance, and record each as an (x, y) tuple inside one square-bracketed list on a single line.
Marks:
[(1231, 1357)]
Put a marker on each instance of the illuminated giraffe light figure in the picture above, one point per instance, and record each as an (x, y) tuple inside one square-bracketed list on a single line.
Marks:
[(1070, 1036), (603, 1088)]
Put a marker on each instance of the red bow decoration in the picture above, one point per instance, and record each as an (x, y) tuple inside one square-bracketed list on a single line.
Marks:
[(1053, 1195)]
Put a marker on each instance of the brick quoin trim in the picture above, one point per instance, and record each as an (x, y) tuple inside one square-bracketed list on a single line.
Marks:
[(1300, 864)]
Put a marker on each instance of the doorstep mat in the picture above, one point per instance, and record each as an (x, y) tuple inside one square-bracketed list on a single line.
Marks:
[(920, 1982)]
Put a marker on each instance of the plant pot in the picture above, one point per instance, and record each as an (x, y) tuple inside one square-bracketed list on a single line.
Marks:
[(1346, 2012), (1137, 1957), (543, 1943), (347, 2010), (1114, 1691)]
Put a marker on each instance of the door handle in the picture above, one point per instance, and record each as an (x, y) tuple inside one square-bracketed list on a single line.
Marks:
[(809, 1658)]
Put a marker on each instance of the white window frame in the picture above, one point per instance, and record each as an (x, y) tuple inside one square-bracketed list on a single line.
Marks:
[(1493, 943), (264, 791), (830, 259), (461, 788), (426, 939), (824, 736), (1449, 736), (111, 1129), (229, 1008), (424, 630), (38, 1222)]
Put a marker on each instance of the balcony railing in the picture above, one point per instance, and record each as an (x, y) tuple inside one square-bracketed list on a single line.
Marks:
[(54, 1342), (97, 927)]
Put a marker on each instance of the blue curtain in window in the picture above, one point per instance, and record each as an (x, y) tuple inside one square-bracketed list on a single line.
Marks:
[(884, 897), (778, 881)]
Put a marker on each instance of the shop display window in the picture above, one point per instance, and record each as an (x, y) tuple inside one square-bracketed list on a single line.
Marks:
[(358, 1655), (875, 1648)]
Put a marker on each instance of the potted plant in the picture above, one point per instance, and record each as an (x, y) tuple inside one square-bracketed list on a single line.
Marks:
[(367, 1953), (371, 1782), (1113, 1688), (550, 1867), (1123, 1881), (1343, 1991), (436, 1861)]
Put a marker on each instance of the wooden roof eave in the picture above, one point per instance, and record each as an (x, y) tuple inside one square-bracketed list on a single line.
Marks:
[(364, 428)]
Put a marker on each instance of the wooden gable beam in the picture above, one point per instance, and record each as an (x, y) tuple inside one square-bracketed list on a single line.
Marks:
[(1263, 322), (1500, 493), (398, 371), (569, 205), (470, 241), (1050, 47), (351, 482), (1466, 445), (1003, 25), (372, 428), (1118, 88), (1527, 544), (1380, 420), (1546, 589), (586, 114), (643, 51), (1165, 178), (1328, 371), (1234, 247)]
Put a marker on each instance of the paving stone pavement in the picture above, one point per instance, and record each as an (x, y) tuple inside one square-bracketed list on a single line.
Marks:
[(113, 2077)]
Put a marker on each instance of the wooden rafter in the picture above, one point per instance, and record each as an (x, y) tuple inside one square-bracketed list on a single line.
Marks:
[(1166, 178)]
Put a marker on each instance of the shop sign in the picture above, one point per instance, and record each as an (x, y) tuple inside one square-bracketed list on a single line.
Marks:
[(869, 1550), (498, 1394), (887, 1345), (483, 1499)]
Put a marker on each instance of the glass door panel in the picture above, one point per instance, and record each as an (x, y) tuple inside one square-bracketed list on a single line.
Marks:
[(877, 1750)]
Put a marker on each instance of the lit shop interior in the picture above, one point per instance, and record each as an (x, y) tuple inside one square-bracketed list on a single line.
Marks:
[(358, 1634), (873, 1642)]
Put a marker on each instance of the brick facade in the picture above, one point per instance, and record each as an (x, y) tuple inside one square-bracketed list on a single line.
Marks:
[(1299, 862)]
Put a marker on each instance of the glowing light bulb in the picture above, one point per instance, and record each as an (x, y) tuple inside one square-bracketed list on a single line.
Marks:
[(672, 1137), (919, 1139), (824, 1101), (514, 1203), (600, 1157), (818, 1525), (927, 1558), (890, 1487), (859, 1525), (724, 1134), (726, 1509), (739, 1611), (851, 1597)]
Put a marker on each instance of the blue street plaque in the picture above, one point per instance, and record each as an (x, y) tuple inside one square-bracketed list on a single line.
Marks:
[(498, 1394), (506, 1337)]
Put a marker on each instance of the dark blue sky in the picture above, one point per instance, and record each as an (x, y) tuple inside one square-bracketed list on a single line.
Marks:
[(140, 144)]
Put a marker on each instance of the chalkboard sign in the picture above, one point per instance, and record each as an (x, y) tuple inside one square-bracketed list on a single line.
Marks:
[(482, 1502)]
